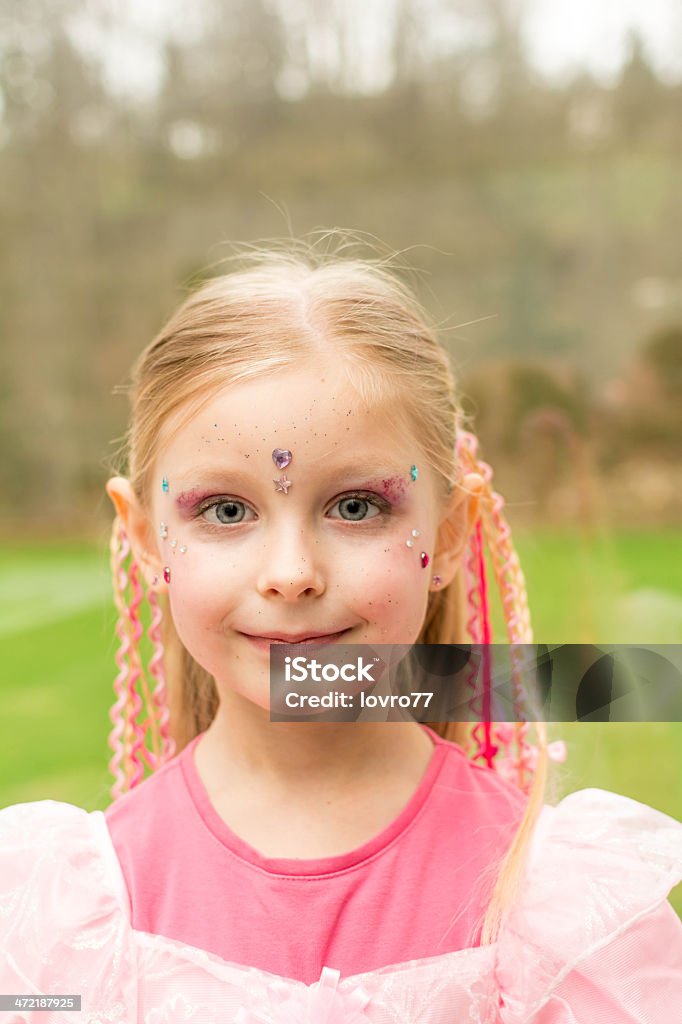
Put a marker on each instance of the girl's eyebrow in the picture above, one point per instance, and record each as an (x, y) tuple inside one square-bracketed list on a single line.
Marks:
[(387, 480), (200, 477)]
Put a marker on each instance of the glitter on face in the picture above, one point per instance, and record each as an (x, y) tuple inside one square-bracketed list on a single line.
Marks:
[(393, 488)]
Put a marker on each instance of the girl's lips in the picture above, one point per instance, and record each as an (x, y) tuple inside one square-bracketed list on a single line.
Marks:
[(263, 642)]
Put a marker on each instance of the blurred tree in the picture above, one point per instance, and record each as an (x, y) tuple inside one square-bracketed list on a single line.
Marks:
[(44, 80), (219, 88), (639, 92), (662, 353), (534, 388)]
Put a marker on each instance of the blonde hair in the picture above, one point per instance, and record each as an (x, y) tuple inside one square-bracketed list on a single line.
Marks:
[(285, 301)]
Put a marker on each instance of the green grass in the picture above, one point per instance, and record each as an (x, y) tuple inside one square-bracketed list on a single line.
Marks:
[(56, 685)]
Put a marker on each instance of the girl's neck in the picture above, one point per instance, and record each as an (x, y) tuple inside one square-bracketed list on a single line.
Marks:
[(302, 760), (313, 790)]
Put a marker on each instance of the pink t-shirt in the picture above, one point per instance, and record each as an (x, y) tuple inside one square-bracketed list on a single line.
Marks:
[(414, 890)]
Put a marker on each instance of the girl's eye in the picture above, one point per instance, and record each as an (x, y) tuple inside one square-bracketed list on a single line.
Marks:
[(356, 508), (352, 508), (226, 511)]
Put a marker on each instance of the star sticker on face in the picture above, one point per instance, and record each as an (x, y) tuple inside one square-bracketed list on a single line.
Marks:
[(282, 484)]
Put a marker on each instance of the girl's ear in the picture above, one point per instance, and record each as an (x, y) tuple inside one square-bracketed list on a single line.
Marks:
[(456, 526), (138, 528)]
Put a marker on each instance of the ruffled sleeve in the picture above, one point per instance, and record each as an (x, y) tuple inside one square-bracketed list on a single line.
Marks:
[(64, 927), (593, 939)]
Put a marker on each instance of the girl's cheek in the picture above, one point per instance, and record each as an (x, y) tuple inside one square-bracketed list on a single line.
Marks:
[(198, 581), (391, 574)]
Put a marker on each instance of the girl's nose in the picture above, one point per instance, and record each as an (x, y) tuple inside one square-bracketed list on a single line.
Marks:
[(290, 566)]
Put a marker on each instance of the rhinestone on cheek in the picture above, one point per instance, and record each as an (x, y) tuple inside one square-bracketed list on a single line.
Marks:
[(166, 574), (424, 559)]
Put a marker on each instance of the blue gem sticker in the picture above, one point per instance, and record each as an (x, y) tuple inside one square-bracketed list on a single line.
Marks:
[(413, 472), (164, 485)]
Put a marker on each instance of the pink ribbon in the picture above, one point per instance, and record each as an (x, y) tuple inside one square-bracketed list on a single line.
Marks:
[(321, 1003), (508, 768)]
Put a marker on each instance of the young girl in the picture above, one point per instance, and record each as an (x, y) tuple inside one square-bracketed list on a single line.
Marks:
[(297, 469)]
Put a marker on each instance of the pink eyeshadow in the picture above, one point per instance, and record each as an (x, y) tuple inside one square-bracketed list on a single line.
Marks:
[(188, 500), (393, 488)]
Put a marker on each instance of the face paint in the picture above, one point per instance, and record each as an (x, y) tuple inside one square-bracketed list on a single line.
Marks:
[(187, 500), (393, 488)]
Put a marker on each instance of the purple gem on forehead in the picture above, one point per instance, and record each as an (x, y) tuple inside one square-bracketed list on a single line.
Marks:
[(281, 457)]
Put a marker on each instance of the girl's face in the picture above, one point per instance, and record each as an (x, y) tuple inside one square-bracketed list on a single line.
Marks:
[(327, 554)]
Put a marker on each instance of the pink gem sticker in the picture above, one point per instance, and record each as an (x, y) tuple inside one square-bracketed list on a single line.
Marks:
[(425, 559), (281, 457)]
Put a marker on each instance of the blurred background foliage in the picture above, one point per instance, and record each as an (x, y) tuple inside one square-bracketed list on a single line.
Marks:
[(545, 216), (541, 217)]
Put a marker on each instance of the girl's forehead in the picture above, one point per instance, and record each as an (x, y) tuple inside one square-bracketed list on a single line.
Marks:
[(311, 409)]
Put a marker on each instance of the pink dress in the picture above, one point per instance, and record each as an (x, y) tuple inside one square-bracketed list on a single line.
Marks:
[(591, 938), (190, 877)]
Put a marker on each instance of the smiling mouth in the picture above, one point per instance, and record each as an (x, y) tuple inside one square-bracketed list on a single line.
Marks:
[(297, 638)]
